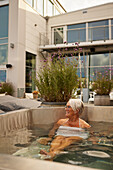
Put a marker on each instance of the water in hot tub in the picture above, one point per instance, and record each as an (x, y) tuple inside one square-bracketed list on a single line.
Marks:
[(95, 152)]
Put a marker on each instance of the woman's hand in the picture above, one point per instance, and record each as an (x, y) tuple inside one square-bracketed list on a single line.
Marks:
[(44, 141)]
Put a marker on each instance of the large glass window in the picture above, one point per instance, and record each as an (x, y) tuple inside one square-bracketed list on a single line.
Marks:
[(50, 9), (112, 58), (99, 59), (4, 18), (58, 35), (44, 7), (4, 11), (94, 70), (56, 12), (98, 63), (40, 6), (3, 54), (98, 30), (76, 33), (29, 2), (112, 28), (30, 72), (2, 76)]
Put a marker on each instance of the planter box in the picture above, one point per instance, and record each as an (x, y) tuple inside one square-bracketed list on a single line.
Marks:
[(53, 104), (102, 100)]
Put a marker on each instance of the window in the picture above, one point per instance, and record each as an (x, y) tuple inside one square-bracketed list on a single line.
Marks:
[(29, 2), (81, 69), (3, 54), (98, 63), (50, 8), (40, 6), (112, 58), (76, 33), (58, 35), (112, 28), (30, 72), (99, 59), (4, 11), (93, 72), (98, 30), (2, 76), (56, 11)]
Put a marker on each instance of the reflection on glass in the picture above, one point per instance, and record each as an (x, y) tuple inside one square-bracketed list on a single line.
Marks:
[(29, 2), (5, 40), (35, 4), (40, 6), (3, 54), (70, 59), (112, 58), (83, 61), (99, 59), (30, 72), (56, 11), (2, 76), (50, 9), (112, 72), (98, 30), (83, 71), (4, 13), (93, 72), (76, 33), (112, 28), (58, 35)]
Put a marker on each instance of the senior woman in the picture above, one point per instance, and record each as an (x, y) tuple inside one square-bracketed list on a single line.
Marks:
[(74, 108)]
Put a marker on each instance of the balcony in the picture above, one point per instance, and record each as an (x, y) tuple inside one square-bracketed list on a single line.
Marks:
[(86, 37)]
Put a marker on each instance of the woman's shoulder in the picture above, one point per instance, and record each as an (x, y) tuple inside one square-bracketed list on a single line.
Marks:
[(84, 124), (62, 121)]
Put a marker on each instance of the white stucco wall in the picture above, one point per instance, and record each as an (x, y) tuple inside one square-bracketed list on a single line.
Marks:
[(25, 36)]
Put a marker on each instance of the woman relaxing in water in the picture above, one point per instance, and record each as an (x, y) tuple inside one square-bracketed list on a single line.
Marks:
[(74, 108)]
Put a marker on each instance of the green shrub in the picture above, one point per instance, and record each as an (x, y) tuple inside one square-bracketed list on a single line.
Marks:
[(7, 88)]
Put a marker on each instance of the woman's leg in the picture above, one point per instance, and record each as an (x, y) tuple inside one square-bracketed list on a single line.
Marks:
[(59, 143)]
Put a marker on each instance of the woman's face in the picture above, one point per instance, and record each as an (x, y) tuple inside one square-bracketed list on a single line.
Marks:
[(69, 110)]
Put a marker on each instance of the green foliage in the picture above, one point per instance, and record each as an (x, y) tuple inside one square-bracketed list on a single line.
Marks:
[(57, 79), (102, 85), (7, 88)]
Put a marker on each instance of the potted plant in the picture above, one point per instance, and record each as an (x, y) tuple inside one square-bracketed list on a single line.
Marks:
[(102, 86), (35, 94), (57, 78)]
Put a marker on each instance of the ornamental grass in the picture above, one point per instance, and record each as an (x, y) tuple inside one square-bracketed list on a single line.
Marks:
[(103, 84), (57, 79)]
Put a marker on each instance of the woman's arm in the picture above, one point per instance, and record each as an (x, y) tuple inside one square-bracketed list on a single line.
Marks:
[(44, 140), (84, 124), (56, 126), (53, 130)]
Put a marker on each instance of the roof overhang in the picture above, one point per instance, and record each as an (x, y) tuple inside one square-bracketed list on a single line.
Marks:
[(71, 46)]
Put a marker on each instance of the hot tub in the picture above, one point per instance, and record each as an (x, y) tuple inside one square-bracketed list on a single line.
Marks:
[(17, 127)]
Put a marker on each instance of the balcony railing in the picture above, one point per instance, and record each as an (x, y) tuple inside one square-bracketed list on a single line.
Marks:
[(90, 34)]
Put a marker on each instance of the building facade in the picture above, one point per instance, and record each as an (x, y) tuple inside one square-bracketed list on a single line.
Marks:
[(92, 28), (21, 22), (30, 30)]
